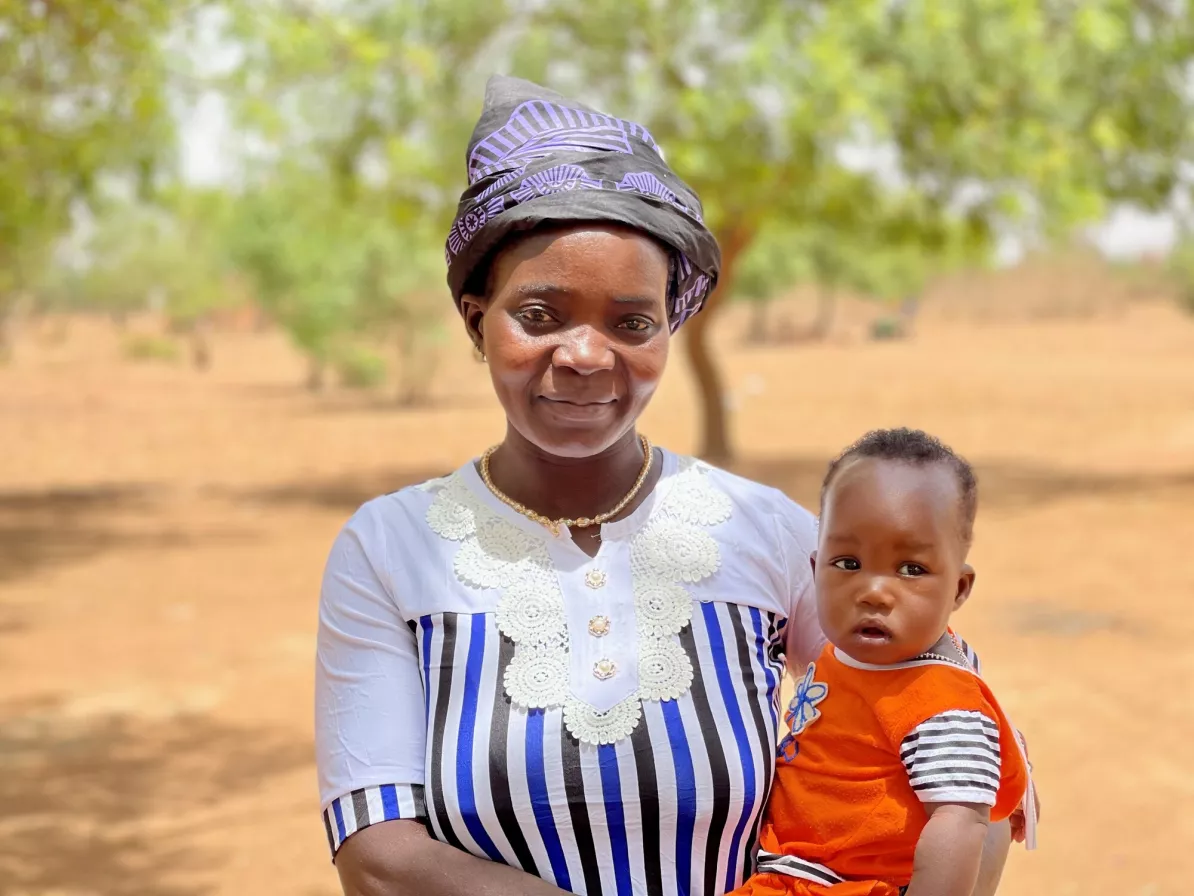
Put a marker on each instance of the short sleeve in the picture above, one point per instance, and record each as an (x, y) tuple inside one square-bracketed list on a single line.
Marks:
[(803, 636), (370, 728), (954, 757)]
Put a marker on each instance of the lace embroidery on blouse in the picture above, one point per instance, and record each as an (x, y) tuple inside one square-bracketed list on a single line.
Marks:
[(670, 551)]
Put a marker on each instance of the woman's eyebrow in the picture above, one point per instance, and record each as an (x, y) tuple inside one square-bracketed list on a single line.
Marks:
[(541, 291), (559, 291)]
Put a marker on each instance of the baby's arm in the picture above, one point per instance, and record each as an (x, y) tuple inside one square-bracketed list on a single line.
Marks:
[(953, 762), (949, 850)]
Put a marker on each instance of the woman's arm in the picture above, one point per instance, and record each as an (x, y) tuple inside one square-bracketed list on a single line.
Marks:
[(370, 736), (399, 858)]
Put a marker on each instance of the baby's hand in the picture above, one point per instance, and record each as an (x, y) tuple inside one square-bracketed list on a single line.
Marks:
[(1018, 820)]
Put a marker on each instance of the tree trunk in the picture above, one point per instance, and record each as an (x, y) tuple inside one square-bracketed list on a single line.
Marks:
[(201, 345), (7, 330), (316, 374), (715, 444), (759, 332), (826, 308), (407, 378)]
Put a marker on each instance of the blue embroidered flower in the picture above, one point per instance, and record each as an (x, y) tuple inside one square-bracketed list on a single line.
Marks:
[(802, 711)]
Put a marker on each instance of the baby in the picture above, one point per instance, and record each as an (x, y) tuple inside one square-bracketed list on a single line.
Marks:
[(898, 755)]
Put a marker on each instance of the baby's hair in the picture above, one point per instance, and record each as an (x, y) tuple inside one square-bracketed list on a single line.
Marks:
[(913, 446)]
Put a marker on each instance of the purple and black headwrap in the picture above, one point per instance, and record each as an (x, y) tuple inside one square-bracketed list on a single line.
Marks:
[(536, 157)]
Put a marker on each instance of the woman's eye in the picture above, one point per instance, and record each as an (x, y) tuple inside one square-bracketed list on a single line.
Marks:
[(637, 325), (847, 563), (912, 569), (535, 315)]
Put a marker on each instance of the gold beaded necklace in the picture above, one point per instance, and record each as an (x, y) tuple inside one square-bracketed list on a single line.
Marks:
[(583, 522)]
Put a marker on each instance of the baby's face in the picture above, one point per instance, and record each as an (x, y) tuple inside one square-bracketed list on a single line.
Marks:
[(891, 561)]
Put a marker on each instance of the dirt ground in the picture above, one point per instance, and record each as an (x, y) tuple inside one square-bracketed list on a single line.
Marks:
[(162, 534)]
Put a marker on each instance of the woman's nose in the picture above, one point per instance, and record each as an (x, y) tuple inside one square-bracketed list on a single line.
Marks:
[(585, 350)]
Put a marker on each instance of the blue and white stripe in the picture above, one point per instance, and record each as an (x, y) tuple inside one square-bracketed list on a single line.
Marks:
[(369, 805), (674, 808)]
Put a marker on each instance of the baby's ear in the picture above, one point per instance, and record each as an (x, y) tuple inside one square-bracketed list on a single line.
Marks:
[(965, 585)]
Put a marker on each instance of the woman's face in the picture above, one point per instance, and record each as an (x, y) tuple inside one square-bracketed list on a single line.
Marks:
[(575, 333)]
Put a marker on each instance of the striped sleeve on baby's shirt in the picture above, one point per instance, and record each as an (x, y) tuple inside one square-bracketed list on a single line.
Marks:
[(954, 757)]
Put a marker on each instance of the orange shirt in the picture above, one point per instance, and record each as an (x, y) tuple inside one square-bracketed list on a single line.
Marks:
[(844, 797)]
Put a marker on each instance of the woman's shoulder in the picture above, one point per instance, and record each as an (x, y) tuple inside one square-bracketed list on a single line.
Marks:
[(762, 505), (400, 514)]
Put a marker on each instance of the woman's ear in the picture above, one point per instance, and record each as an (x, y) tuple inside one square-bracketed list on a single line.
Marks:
[(472, 309), (965, 585)]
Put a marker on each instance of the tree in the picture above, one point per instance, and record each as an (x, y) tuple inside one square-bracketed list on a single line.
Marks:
[(991, 113), (168, 257), (362, 99), (335, 273), (998, 110), (82, 99)]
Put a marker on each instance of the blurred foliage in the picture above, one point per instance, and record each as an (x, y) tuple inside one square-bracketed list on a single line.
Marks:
[(887, 328), (361, 368), (148, 347), (991, 114), (861, 145), (168, 258), (82, 98), (335, 274)]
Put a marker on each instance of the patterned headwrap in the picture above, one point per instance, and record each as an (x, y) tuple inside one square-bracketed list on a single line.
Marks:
[(536, 157)]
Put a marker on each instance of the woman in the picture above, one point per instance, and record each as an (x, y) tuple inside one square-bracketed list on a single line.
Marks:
[(558, 669)]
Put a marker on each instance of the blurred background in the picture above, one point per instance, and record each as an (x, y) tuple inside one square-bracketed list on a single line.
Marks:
[(224, 324)]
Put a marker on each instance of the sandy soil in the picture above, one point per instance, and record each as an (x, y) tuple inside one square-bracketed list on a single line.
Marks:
[(162, 534)]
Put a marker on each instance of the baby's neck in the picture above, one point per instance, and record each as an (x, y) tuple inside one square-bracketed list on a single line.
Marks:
[(947, 646)]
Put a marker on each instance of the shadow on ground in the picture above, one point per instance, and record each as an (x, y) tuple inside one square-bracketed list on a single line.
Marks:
[(57, 527), (348, 401), (113, 805), (338, 493)]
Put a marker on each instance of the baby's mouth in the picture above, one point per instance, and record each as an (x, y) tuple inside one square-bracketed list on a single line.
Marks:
[(873, 630)]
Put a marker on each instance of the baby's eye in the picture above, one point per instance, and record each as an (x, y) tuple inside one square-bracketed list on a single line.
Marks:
[(847, 563), (912, 569)]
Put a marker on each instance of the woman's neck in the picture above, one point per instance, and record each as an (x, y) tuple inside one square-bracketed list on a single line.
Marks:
[(569, 487)]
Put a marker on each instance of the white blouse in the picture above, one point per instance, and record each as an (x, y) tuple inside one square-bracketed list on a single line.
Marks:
[(606, 723)]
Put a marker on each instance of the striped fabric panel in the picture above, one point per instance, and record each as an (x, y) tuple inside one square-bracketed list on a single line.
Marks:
[(954, 758), (675, 808), (794, 866), (370, 805)]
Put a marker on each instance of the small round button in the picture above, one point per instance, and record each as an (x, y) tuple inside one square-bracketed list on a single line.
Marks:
[(604, 670), (595, 579), (599, 626)]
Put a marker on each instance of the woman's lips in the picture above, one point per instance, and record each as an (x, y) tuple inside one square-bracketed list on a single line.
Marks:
[(578, 409)]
